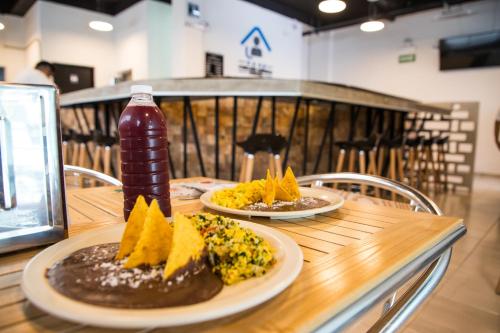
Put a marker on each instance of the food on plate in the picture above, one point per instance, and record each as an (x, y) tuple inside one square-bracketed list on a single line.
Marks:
[(241, 195), (133, 229), (270, 195), (188, 248), (281, 193), (290, 185), (167, 266), (235, 253), (269, 190), (154, 242)]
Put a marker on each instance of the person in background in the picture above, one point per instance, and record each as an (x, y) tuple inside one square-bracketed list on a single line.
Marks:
[(43, 73)]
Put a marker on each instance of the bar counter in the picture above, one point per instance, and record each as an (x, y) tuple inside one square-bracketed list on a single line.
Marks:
[(208, 117), (253, 88)]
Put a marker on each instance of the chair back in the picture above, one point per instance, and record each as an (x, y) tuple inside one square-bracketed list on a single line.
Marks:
[(82, 177), (272, 144), (417, 200), (269, 143)]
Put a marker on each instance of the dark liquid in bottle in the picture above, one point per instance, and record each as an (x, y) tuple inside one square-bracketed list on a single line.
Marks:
[(144, 155)]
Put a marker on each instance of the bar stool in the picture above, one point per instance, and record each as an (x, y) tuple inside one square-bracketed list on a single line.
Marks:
[(414, 147), (102, 152), (67, 144), (363, 148), (441, 160), (428, 165), (79, 155), (269, 143), (395, 169)]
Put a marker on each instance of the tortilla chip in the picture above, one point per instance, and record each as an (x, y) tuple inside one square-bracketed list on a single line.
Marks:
[(154, 243), (187, 245), (289, 183), (269, 191), (281, 193), (133, 229)]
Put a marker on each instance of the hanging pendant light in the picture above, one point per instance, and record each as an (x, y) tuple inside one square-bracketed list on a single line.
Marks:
[(100, 25), (372, 24), (331, 6)]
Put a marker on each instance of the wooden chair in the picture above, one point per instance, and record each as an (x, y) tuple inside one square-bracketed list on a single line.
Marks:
[(268, 143)]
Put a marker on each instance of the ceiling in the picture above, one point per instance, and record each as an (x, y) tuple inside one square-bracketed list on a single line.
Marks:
[(111, 7), (305, 11), (356, 11)]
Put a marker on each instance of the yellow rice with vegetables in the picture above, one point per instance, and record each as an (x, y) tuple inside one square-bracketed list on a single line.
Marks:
[(235, 253), (242, 195)]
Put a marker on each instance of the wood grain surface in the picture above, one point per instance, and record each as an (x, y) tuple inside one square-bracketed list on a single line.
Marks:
[(346, 253)]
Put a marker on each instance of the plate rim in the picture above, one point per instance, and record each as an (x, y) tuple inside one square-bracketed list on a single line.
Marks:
[(131, 318), (205, 200)]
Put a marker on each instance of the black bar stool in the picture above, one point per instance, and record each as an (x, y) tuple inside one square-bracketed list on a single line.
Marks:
[(361, 148), (414, 147), (272, 144)]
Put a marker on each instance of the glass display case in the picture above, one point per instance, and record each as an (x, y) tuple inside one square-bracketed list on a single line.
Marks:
[(32, 202)]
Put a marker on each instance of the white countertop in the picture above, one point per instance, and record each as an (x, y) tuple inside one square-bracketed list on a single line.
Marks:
[(207, 87)]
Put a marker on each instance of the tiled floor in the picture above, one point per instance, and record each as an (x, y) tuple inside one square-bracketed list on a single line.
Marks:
[(465, 301)]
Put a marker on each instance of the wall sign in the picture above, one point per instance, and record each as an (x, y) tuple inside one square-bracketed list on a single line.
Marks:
[(407, 58), (256, 48), (214, 65)]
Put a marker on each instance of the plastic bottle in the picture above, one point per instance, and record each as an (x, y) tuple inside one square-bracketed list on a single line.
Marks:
[(144, 151)]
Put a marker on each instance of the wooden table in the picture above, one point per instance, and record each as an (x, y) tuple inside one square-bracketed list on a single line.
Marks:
[(347, 253)]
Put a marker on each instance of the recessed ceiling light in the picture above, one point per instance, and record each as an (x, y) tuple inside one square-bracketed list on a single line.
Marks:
[(331, 6), (100, 26), (2, 26), (372, 26)]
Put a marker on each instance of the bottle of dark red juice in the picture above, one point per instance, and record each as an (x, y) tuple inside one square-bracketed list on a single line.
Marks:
[(144, 154)]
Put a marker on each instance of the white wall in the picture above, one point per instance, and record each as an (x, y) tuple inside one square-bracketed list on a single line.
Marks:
[(12, 46), (159, 40), (66, 38), (230, 20), (188, 58), (140, 41), (131, 41), (228, 23), (155, 40), (366, 60)]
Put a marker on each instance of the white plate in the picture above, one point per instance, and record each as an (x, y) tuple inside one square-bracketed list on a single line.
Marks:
[(231, 300), (336, 201)]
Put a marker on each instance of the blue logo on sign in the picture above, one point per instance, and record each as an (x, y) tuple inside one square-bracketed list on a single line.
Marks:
[(255, 49)]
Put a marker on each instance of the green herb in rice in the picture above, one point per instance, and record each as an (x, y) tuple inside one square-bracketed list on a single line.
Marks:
[(235, 253)]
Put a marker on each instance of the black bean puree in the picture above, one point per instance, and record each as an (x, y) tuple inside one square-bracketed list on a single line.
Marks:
[(303, 203), (92, 275)]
